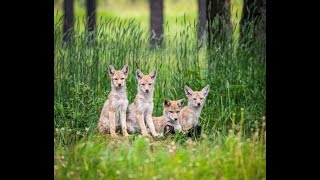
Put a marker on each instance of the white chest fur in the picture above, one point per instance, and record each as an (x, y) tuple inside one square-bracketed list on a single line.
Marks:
[(145, 105), (194, 117), (120, 101)]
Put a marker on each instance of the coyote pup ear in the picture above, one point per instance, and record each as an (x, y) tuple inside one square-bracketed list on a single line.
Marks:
[(188, 91), (111, 70), (180, 102), (139, 74), (166, 102), (125, 70), (153, 74), (205, 90)]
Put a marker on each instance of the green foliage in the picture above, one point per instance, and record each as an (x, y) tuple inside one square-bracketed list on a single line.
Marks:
[(236, 76), (233, 144), (212, 157)]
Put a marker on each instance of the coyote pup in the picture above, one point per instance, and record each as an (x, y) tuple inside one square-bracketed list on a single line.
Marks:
[(116, 104), (140, 111), (171, 113), (189, 115)]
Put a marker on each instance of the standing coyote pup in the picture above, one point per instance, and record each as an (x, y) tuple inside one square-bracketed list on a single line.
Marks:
[(116, 104), (171, 113), (140, 111), (190, 114)]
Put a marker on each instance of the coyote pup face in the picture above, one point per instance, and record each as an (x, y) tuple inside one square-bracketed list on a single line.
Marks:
[(170, 117), (146, 82), (118, 78), (172, 110), (190, 114), (196, 99)]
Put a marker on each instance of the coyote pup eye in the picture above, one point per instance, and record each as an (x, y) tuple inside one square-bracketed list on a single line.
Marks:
[(194, 99), (142, 84), (149, 84), (115, 78), (178, 111), (201, 98), (171, 111), (122, 78)]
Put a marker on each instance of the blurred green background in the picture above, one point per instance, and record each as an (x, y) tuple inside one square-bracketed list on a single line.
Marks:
[(175, 11)]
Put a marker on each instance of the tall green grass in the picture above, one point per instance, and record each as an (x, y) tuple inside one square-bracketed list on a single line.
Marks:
[(236, 77), (233, 146)]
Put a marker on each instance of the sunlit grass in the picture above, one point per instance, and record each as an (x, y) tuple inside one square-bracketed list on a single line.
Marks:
[(213, 157)]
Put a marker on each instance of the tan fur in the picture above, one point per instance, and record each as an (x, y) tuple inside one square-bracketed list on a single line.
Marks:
[(140, 111), (113, 114), (159, 124), (171, 115), (190, 114)]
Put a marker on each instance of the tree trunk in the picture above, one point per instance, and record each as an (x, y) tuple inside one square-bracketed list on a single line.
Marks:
[(156, 22), (202, 17), (68, 22), (251, 13), (91, 14), (219, 11), (252, 9)]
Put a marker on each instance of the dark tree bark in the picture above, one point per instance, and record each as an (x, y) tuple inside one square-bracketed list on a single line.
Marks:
[(252, 9), (202, 17), (68, 22), (219, 10), (156, 22), (91, 14), (252, 12)]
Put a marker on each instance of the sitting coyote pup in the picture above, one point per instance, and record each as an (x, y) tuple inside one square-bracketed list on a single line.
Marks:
[(140, 111), (116, 104), (189, 115), (171, 112)]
